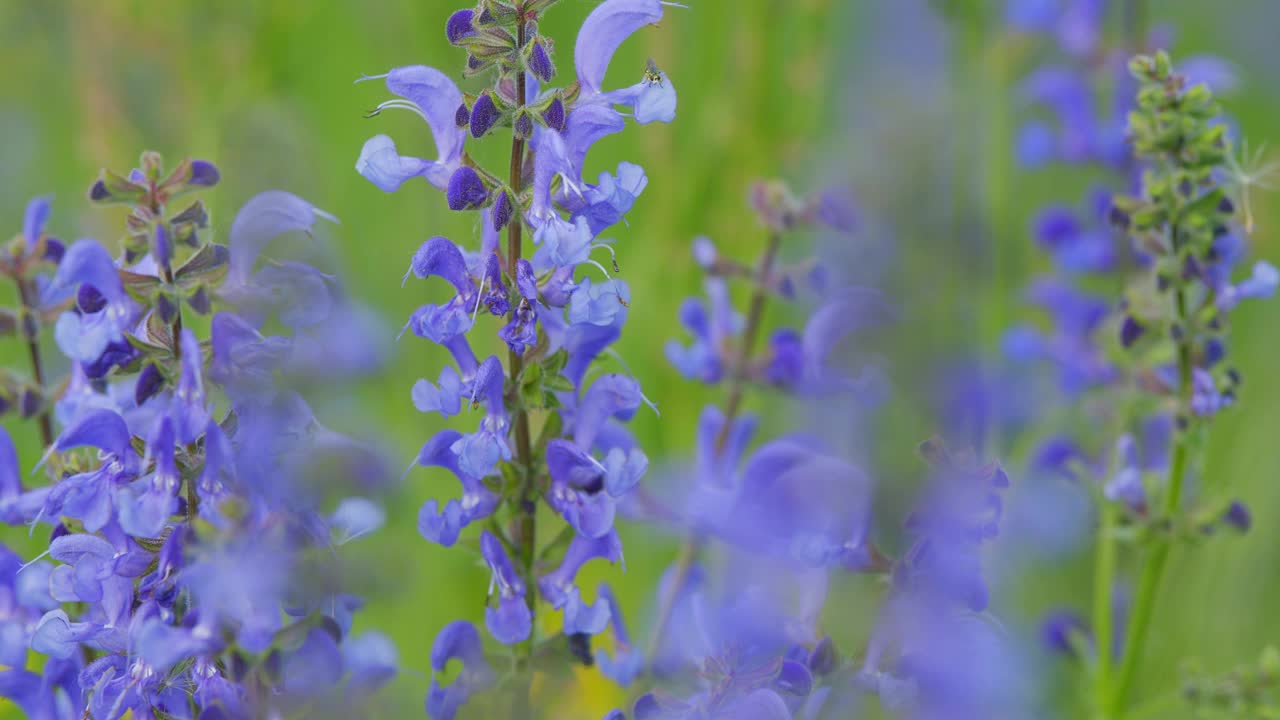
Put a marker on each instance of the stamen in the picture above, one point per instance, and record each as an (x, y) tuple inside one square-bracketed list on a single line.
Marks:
[(397, 104), (364, 77), (32, 561)]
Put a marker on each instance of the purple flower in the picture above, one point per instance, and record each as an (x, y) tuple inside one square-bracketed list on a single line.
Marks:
[(85, 336), (626, 662), (16, 506), (1061, 630), (612, 22), (457, 641), (1261, 284), (510, 622), (1126, 485), (477, 501), (444, 398), (1206, 399), (558, 587), (435, 98), (607, 203), (598, 304), (710, 328), (147, 504)]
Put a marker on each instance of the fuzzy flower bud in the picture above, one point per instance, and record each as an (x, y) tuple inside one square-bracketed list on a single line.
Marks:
[(466, 190), (459, 26), (484, 115), (539, 61)]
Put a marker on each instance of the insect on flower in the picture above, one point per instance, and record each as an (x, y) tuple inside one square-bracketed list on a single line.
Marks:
[(652, 75)]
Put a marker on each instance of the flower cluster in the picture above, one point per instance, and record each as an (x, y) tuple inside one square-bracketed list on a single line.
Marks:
[(794, 512), (192, 551), (555, 321), (1145, 373)]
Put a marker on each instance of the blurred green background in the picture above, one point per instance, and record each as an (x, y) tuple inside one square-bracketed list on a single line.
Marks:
[(916, 115)]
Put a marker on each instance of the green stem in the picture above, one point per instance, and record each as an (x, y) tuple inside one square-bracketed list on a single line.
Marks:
[(526, 535), (1103, 580), (692, 544), (1153, 572), (1135, 28)]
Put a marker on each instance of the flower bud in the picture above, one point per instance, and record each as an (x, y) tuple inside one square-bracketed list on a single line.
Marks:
[(459, 26), (554, 115), (1130, 331), (462, 118), (161, 246), (538, 61), (150, 381), (501, 212), (523, 126), (484, 115), (204, 174), (466, 190)]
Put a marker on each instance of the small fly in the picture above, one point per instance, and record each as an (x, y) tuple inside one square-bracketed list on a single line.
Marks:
[(652, 74)]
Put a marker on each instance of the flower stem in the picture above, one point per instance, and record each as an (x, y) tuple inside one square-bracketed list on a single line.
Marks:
[(25, 292), (688, 552), (1153, 571), (1104, 572), (526, 521)]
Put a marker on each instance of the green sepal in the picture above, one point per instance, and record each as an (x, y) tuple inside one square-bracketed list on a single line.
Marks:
[(140, 287), (114, 189), (158, 333), (208, 266), (558, 383), (195, 214), (554, 364)]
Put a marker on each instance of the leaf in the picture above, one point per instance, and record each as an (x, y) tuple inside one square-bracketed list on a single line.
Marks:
[(555, 364), (531, 375), (558, 383)]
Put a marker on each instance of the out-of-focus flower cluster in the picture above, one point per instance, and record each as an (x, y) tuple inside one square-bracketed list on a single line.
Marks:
[(191, 564)]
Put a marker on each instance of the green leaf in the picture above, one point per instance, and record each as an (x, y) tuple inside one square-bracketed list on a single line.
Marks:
[(531, 375), (558, 383), (555, 364)]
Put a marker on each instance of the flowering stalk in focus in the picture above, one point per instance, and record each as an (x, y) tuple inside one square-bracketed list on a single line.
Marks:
[(1178, 310), (560, 310)]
